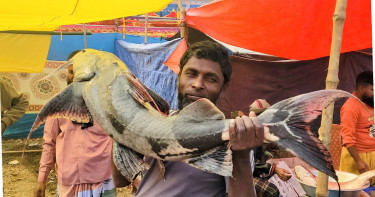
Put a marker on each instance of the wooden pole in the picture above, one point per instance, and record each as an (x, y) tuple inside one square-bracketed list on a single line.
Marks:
[(20, 151), (146, 20), (183, 28), (84, 35), (45, 32), (332, 81)]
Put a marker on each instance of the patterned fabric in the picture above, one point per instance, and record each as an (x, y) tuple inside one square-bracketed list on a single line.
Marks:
[(37, 92), (335, 148), (265, 188), (102, 189)]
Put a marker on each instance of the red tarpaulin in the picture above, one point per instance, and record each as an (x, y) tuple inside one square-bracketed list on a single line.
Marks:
[(291, 29)]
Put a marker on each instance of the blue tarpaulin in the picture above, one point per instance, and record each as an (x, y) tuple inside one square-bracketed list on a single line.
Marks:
[(59, 50), (146, 61), (22, 128)]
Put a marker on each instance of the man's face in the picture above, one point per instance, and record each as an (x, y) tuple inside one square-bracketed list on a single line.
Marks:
[(368, 95), (70, 76), (200, 78)]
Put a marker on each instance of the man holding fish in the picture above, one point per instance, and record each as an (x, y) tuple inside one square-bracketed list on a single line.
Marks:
[(198, 135), (205, 73)]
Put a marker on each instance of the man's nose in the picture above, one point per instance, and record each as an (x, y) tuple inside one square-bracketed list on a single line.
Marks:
[(198, 83)]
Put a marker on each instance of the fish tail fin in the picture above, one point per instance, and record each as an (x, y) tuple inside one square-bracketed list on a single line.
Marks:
[(217, 160), (289, 120), (128, 162)]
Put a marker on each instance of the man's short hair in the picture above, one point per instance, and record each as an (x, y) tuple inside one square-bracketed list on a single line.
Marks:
[(364, 78), (211, 51)]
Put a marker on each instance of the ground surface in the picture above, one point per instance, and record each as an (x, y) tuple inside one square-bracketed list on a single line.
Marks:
[(20, 180)]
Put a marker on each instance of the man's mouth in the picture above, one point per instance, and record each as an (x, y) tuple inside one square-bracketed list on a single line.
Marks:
[(194, 97)]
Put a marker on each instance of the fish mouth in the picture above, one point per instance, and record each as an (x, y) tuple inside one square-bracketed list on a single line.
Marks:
[(87, 77)]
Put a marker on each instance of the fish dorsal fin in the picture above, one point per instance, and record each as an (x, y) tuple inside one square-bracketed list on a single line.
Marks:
[(201, 109), (145, 95), (67, 104)]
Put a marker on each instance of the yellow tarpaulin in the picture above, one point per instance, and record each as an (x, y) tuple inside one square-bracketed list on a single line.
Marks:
[(27, 53), (23, 52)]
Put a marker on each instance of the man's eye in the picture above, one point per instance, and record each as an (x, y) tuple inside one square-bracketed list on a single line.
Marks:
[(190, 73), (211, 79)]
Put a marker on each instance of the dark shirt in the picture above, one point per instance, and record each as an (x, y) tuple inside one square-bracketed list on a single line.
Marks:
[(180, 180)]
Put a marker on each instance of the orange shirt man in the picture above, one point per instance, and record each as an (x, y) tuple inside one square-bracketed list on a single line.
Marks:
[(358, 152)]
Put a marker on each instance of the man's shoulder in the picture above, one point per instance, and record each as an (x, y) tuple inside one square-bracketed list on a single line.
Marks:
[(351, 104)]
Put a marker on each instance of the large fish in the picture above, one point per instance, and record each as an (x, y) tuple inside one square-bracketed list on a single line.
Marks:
[(134, 116)]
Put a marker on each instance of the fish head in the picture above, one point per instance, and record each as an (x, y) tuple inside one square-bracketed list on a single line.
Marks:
[(89, 64)]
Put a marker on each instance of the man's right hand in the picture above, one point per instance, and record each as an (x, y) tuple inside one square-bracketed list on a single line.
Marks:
[(362, 166), (40, 190)]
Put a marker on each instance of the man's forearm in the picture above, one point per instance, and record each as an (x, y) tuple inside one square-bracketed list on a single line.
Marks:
[(353, 152), (241, 184)]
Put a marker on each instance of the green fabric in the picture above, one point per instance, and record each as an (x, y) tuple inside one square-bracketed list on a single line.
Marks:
[(109, 193)]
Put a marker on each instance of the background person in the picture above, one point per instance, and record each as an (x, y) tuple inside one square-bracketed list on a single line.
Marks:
[(358, 152), (13, 105), (82, 154), (263, 170)]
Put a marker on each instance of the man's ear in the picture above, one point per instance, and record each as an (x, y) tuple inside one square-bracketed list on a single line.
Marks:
[(361, 88)]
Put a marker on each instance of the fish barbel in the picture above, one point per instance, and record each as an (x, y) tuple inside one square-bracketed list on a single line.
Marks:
[(135, 117)]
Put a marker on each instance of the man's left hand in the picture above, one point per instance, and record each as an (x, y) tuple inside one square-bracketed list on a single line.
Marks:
[(246, 133)]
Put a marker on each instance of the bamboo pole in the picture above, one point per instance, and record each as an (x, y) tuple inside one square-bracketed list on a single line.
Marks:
[(332, 81), (84, 35), (146, 20), (45, 32), (20, 151), (183, 28)]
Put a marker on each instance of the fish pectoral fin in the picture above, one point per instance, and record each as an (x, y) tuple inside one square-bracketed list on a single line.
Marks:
[(67, 104), (201, 109), (217, 161), (145, 95), (128, 162), (159, 102)]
